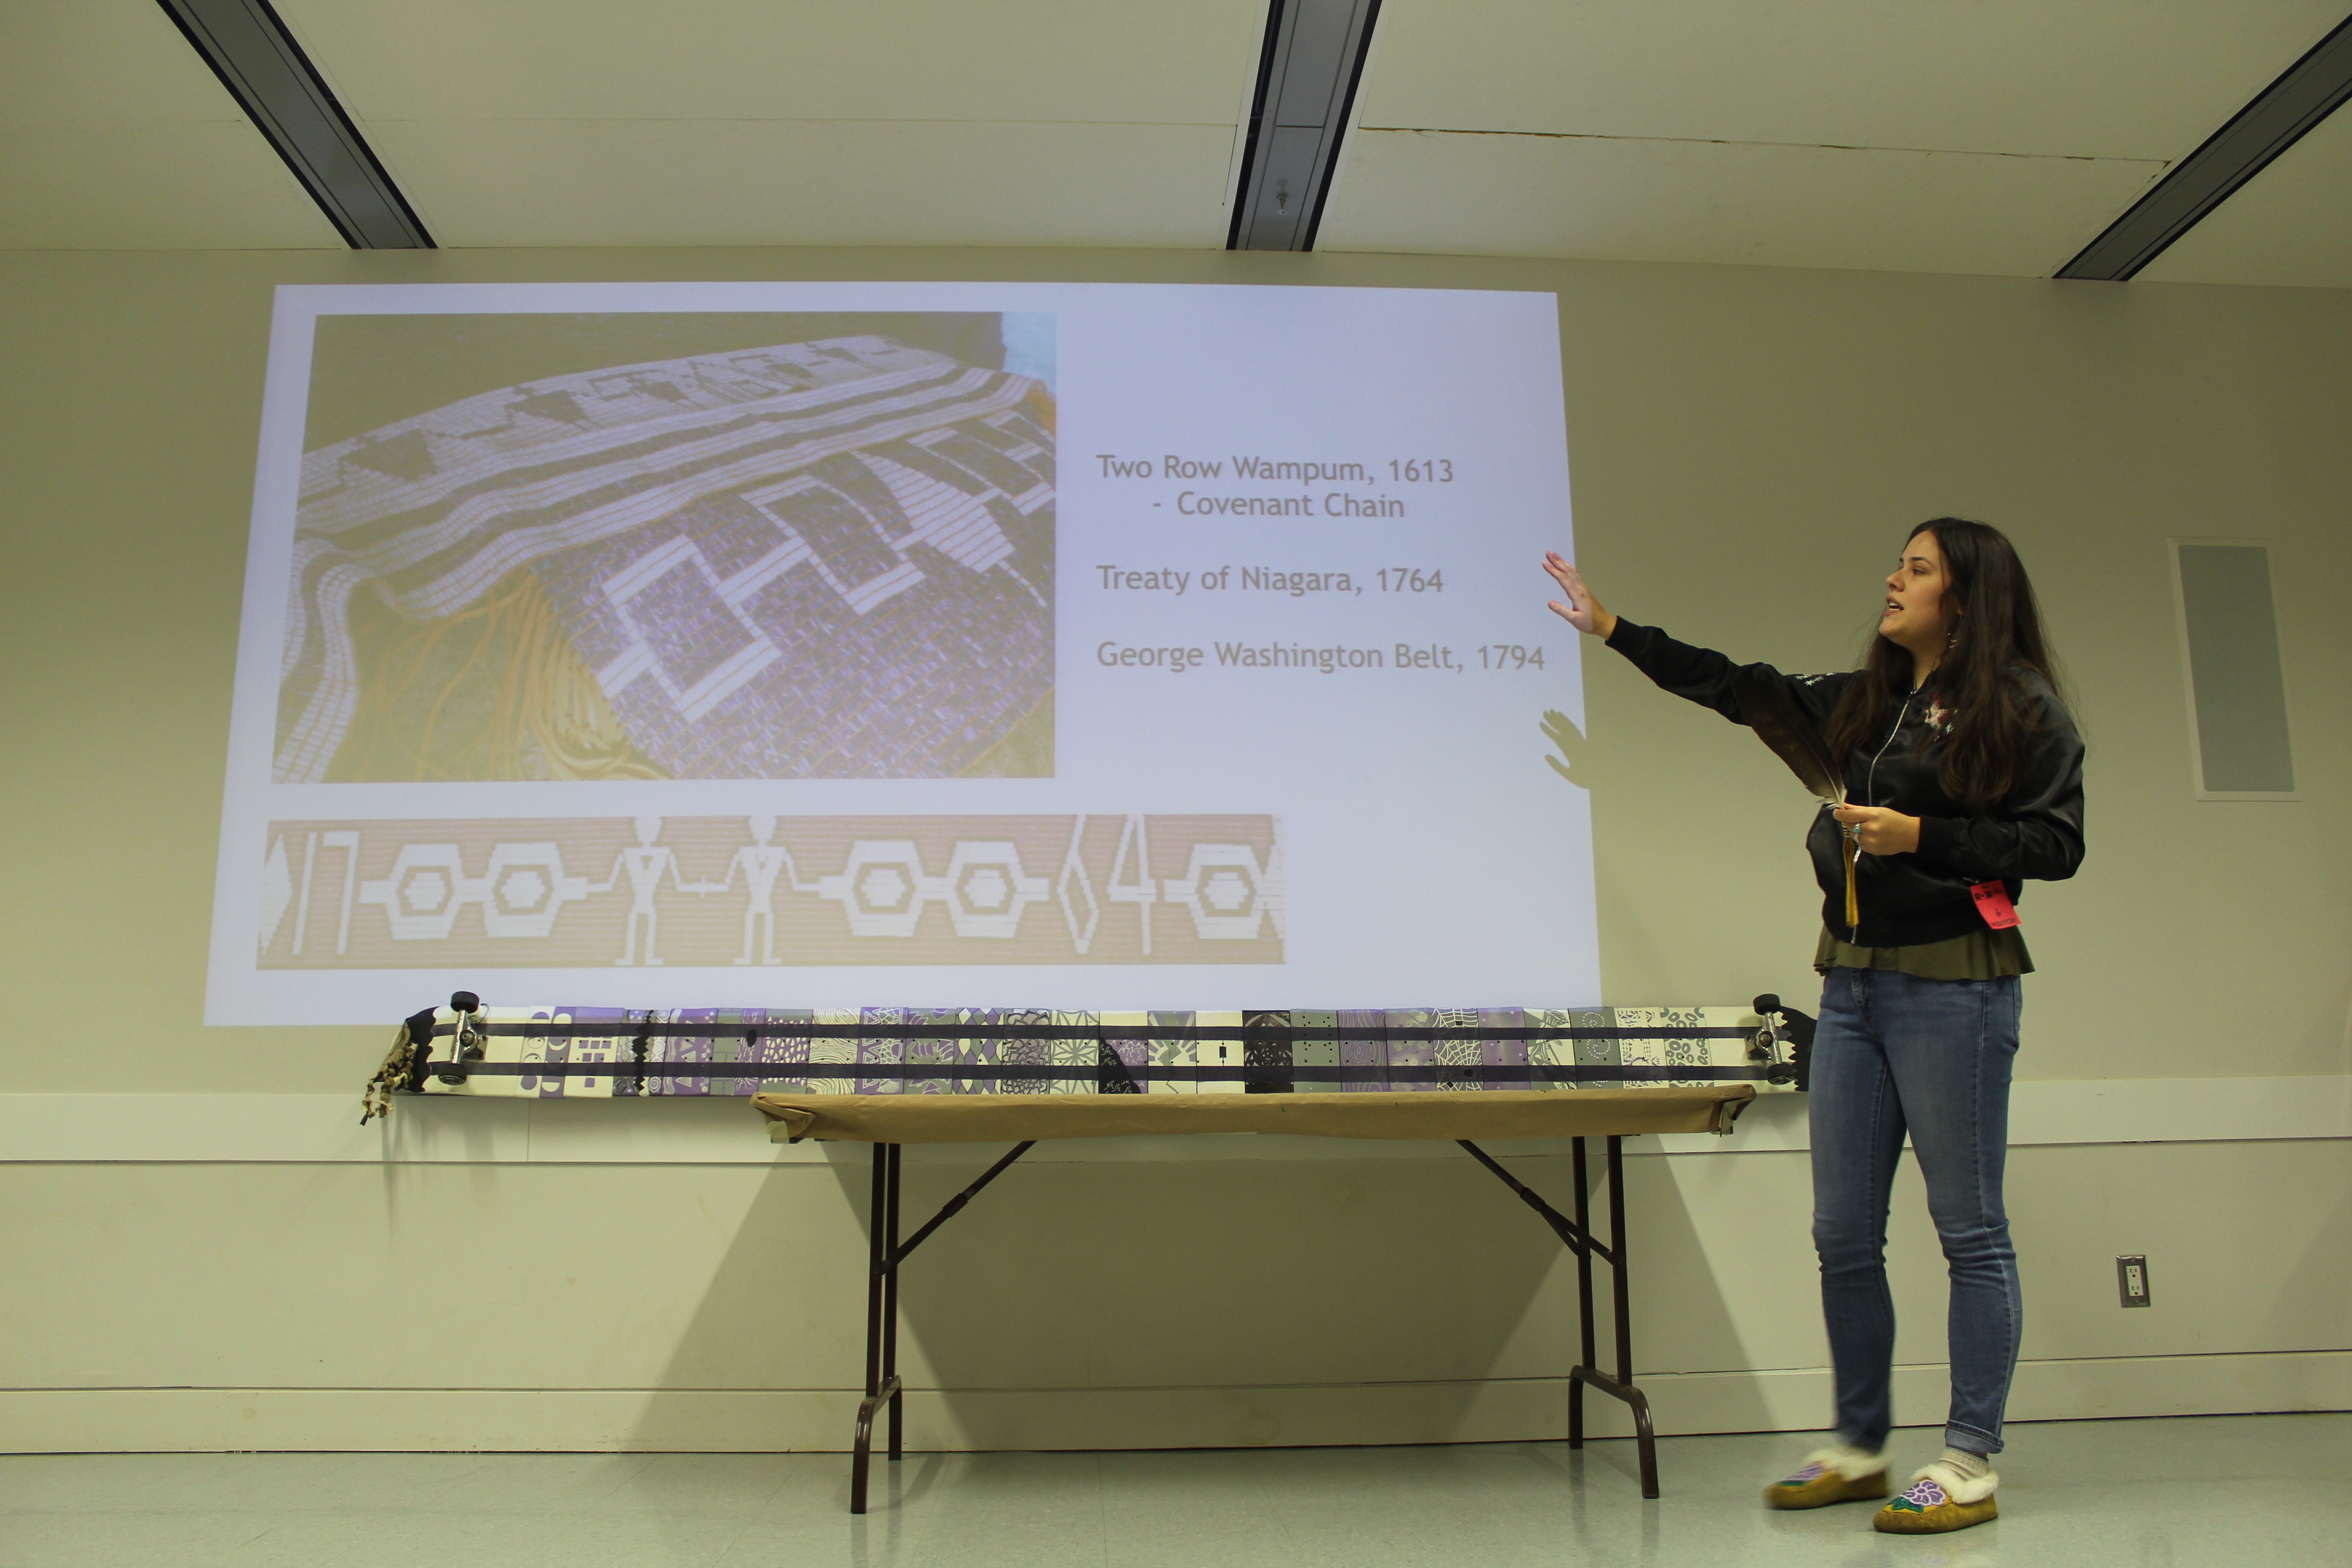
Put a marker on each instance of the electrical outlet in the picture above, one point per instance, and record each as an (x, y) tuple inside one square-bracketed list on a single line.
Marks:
[(2131, 1280)]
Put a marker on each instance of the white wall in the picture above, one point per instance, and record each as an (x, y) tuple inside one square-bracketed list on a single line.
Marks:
[(196, 1260)]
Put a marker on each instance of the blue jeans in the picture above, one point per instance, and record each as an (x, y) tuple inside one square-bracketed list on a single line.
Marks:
[(1931, 1057)]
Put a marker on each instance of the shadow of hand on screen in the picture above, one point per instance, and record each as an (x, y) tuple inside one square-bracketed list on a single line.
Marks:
[(1574, 763)]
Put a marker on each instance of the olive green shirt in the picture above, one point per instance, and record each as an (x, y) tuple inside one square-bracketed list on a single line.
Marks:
[(1978, 955)]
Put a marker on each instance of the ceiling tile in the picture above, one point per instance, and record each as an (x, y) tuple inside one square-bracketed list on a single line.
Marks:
[(115, 135), (1768, 204), (1158, 62), (798, 121), (2290, 224), (2128, 78), (686, 182), (73, 61), (184, 186), (1943, 135)]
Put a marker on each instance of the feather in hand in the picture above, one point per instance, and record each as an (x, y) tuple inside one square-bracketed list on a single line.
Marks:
[(1797, 740), (1794, 737)]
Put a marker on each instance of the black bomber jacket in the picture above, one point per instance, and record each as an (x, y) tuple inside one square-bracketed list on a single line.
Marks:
[(2035, 832)]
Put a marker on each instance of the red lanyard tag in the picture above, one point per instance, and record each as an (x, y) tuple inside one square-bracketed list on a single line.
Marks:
[(1992, 902)]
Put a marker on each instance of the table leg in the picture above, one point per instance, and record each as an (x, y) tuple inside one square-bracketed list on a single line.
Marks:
[(890, 1314), (879, 1387), (1583, 1298), (1644, 1439), (1622, 1386), (1577, 1235), (884, 1253)]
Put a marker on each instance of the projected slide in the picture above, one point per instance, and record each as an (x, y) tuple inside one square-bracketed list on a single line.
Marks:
[(935, 643)]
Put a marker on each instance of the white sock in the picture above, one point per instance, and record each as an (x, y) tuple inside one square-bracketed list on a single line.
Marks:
[(1967, 1466)]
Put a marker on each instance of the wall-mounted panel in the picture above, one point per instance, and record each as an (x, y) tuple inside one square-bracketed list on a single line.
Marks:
[(2237, 680)]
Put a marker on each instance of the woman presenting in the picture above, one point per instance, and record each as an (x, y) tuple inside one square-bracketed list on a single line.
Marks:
[(1964, 778)]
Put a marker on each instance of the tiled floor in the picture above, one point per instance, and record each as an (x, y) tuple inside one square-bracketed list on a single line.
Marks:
[(2271, 1491)]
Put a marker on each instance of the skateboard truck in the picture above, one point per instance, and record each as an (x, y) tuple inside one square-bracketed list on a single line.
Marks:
[(1783, 1027), (467, 1043)]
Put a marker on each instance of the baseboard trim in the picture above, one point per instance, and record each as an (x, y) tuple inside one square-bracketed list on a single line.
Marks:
[(211, 1420)]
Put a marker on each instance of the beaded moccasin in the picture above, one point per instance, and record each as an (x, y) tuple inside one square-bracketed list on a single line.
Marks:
[(1940, 1498), (1833, 1475)]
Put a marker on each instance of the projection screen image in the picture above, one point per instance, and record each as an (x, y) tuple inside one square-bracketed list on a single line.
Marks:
[(830, 556), (792, 645)]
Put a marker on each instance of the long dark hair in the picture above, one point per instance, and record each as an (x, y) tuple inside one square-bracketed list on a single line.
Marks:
[(1997, 637)]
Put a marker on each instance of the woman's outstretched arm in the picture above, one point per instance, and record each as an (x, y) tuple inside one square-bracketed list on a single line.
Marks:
[(1701, 674)]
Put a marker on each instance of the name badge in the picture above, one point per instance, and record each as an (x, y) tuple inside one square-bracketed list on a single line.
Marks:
[(1992, 902)]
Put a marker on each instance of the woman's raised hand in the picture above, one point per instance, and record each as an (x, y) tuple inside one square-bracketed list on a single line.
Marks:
[(1582, 611)]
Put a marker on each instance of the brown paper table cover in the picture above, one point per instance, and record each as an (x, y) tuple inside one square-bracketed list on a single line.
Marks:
[(1429, 1113)]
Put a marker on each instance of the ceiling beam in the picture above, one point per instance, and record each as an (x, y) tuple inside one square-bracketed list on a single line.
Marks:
[(2308, 91), (281, 91), (1308, 73)]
